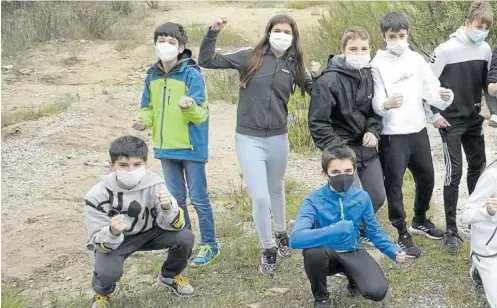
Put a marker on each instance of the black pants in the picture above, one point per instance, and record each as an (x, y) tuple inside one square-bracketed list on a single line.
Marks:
[(109, 266), (370, 178), (359, 267), (469, 134), (397, 153)]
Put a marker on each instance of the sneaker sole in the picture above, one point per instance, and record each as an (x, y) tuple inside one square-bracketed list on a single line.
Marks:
[(420, 232), (492, 124), (173, 290), (206, 263)]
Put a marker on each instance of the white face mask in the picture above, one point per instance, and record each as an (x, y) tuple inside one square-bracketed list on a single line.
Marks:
[(280, 41), (130, 179), (166, 52), (357, 62), (398, 47)]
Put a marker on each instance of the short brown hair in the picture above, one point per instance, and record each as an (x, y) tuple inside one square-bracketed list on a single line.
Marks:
[(481, 10), (354, 33)]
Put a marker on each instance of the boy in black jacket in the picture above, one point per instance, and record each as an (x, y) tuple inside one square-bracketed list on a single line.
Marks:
[(492, 90), (341, 112), (462, 64)]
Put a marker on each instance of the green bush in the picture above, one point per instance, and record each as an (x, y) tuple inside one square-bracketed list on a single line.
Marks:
[(298, 130), (222, 85)]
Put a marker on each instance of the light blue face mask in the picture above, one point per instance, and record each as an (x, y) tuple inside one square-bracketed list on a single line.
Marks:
[(477, 35)]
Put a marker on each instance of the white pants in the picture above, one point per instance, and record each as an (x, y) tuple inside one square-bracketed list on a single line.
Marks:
[(487, 268)]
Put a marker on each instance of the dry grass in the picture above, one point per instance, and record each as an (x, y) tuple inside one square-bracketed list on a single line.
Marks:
[(33, 113), (436, 279)]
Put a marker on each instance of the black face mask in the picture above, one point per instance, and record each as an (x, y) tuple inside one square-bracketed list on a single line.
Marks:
[(341, 183)]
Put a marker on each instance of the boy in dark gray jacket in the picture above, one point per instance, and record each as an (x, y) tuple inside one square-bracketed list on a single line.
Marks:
[(128, 211)]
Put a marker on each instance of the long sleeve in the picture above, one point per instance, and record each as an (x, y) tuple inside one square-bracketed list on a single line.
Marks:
[(304, 236), (492, 72), (375, 233), (209, 58), (373, 123), (97, 224), (320, 110), (380, 93), (147, 109), (437, 65), (475, 209), (198, 112), (431, 89), (309, 82)]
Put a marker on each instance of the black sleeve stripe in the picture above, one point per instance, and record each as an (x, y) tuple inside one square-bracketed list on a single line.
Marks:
[(96, 207)]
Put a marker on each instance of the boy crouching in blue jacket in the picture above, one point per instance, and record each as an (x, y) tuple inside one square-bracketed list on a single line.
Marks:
[(327, 229)]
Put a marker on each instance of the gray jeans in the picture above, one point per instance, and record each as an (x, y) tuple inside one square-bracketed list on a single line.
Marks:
[(109, 266), (263, 162)]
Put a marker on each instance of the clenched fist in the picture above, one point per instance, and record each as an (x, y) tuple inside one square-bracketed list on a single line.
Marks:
[(400, 257), (445, 94), (165, 200), (492, 206), (218, 24), (185, 102), (117, 224), (369, 140), (394, 102), (138, 124), (315, 66)]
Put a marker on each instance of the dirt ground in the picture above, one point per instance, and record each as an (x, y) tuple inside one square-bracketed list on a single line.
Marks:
[(49, 164)]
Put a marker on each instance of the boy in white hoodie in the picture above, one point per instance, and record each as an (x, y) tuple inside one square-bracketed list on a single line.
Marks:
[(402, 79), (480, 211), (128, 211), (461, 64)]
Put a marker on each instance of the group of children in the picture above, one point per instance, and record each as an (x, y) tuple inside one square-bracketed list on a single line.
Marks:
[(368, 118)]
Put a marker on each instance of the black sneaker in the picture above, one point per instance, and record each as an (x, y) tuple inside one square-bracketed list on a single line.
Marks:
[(326, 303), (427, 229), (268, 262), (452, 241), (406, 244), (352, 288), (284, 250)]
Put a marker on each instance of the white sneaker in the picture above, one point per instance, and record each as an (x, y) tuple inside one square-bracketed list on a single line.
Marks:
[(493, 121), (179, 285)]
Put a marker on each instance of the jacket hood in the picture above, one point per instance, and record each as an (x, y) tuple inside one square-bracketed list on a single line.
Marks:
[(336, 63), (150, 179), (184, 60), (462, 35)]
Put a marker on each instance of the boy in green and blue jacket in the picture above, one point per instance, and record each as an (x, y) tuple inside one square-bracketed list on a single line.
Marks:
[(174, 106)]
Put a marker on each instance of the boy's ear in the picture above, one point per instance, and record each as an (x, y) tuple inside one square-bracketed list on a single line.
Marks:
[(181, 48), (112, 166), (342, 50), (467, 23)]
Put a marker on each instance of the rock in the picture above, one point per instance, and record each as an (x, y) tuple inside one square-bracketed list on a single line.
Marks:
[(82, 41), (68, 278), (26, 71), (231, 205), (70, 156), (7, 67), (278, 290), (254, 305)]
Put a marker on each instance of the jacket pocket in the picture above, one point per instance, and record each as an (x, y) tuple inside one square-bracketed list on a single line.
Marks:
[(256, 114), (278, 116)]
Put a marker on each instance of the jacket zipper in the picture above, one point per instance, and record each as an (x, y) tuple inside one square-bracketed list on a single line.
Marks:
[(493, 234), (163, 113), (271, 97)]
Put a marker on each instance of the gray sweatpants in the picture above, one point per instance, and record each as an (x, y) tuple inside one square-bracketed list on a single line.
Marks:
[(263, 162), (109, 266), (371, 180)]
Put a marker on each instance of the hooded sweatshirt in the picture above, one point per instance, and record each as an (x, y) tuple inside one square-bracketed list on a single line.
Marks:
[(409, 75), (263, 104), (140, 206), (483, 225), (177, 133), (462, 66), (341, 110), (328, 218)]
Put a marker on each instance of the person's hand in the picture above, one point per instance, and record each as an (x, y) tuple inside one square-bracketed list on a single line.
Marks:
[(219, 24), (400, 256), (185, 102), (492, 89), (492, 206), (117, 224), (441, 123), (445, 94), (347, 226), (369, 140), (138, 124), (315, 66), (165, 199), (394, 102)]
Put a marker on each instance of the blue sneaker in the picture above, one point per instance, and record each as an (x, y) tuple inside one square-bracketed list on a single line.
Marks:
[(205, 255)]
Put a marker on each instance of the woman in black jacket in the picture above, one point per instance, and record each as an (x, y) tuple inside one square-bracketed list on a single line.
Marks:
[(269, 73), (341, 111)]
